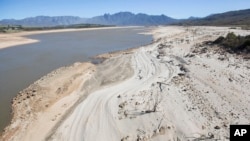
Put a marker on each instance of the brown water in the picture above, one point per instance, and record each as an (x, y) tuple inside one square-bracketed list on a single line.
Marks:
[(22, 65)]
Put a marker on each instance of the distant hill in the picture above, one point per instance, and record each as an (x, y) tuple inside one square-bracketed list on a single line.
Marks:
[(121, 18), (44, 21), (240, 17)]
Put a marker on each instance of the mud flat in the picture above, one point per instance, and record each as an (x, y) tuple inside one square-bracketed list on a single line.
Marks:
[(176, 88)]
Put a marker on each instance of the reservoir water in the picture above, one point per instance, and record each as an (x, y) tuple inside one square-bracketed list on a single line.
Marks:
[(22, 65)]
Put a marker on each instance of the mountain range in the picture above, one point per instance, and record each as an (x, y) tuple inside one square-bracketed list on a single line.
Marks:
[(240, 17), (44, 21), (121, 18), (128, 18)]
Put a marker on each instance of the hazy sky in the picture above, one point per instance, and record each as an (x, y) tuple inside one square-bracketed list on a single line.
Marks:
[(88, 8)]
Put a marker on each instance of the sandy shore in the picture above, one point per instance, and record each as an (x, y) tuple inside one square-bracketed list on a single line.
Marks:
[(14, 39), (176, 88), (10, 40)]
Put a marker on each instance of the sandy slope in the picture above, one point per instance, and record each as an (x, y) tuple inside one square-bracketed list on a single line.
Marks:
[(174, 89)]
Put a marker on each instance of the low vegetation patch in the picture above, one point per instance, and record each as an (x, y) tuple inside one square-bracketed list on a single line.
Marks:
[(233, 43)]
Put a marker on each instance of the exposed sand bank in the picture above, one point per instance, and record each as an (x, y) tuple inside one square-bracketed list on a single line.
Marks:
[(9, 40), (173, 89)]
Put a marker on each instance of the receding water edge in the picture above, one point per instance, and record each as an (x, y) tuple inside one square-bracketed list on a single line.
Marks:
[(20, 66)]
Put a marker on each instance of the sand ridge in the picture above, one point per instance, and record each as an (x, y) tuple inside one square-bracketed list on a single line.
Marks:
[(176, 88)]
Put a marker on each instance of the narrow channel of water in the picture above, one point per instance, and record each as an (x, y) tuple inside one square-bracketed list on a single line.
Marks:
[(22, 65)]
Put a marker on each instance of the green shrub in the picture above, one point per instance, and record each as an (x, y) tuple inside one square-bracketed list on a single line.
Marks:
[(219, 40), (234, 43)]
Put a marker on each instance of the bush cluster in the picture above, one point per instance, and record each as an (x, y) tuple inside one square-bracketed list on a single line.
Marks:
[(234, 43)]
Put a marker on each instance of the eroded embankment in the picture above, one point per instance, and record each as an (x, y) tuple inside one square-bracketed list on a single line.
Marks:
[(176, 93), (174, 89), (44, 104)]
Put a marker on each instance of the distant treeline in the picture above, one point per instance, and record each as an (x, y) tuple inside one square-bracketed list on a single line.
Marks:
[(18, 28)]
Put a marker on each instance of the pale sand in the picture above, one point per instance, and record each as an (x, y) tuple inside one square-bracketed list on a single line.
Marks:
[(197, 94), (14, 39), (10, 40)]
